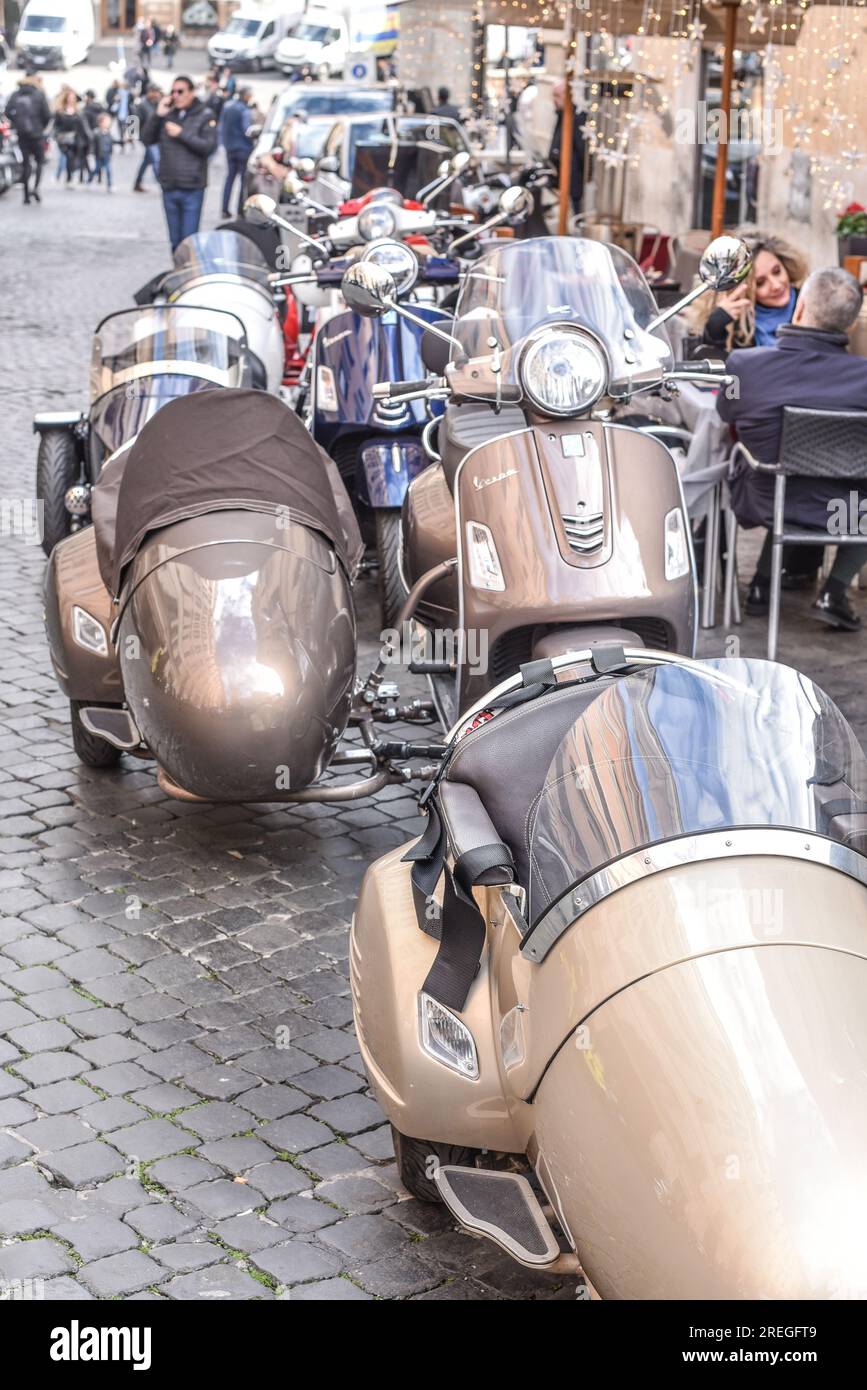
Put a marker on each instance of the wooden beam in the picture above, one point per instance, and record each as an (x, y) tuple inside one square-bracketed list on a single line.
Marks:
[(567, 127), (718, 207)]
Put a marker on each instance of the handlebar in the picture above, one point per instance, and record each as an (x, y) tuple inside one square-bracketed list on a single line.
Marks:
[(702, 366), (386, 390)]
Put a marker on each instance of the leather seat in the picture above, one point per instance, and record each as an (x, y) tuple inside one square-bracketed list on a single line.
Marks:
[(469, 425)]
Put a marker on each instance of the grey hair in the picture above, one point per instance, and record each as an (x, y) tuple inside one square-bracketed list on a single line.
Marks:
[(831, 300)]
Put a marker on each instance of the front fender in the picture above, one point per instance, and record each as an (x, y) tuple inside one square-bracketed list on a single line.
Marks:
[(386, 467)]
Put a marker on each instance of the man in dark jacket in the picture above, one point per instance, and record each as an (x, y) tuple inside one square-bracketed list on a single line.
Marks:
[(579, 120), (144, 108), (237, 119), (444, 106), (186, 132), (811, 366), (30, 114)]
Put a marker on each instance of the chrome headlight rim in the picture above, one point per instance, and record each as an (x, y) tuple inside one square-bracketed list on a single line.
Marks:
[(404, 281), (537, 339), (376, 209)]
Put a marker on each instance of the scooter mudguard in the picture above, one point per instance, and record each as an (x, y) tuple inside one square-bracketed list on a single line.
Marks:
[(78, 617), (385, 469), (237, 643)]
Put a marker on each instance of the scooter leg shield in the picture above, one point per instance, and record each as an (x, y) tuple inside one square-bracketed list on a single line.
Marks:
[(78, 619), (238, 660), (704, 1133)]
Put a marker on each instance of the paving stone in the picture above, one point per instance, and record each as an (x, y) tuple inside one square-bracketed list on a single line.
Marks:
[(10, 1085), (184, 1171), (294, 1134), (295, 1262), (397, 1276), (328, 1082), (15, 1112), (349, 1115), (175, 1062), (269, 1102), (221, 1198), (355, 1194), (216, 1120), (65, 1290), (165, 1032), (84, 1165), (278, 1179), (47, 1067), (14, 1015), (121, 1079), (327, 1291), (23, 1216), (60, 1098), (33, 1259), (249, 1233), (333, 1160), (62, 1003), (164, 1097), (221, 1283), (236, 1155), (107, 1115), (106, 1051), (329, 1044), (222, 1082), (24, 1180), (56, 1132), (183, 1257), (303, 1214), (160, 1222), (13, 1151), (150, 1139), (121, 1195), (95, 1235), (118, 1275), (365, 1238)]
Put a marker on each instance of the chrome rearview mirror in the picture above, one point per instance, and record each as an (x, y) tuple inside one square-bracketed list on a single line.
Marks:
[(368, 289), (260, 209), (448, 171), (516, 203), (725, 263), (304, 166)]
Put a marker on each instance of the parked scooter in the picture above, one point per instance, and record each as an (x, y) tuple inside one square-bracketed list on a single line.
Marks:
[(11, 162), (644, 985), (141, 358), (543, 527)]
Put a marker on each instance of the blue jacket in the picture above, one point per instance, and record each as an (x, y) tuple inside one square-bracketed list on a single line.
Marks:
[(235, 121), (809, 367)]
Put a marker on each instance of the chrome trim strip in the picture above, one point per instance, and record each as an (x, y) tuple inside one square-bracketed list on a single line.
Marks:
[(689, 849)]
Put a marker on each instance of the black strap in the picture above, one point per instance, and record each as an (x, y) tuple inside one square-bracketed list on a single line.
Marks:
[(462, 926)]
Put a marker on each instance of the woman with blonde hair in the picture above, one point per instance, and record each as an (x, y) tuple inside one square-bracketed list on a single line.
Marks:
[(750, 314)]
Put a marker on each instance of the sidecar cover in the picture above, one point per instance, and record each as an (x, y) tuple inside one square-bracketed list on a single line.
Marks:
[(212, 451)]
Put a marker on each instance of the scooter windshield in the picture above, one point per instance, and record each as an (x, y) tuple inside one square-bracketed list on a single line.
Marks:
[(139, 343), (524, 285), (671, 751), (120, 414), (219, 253)]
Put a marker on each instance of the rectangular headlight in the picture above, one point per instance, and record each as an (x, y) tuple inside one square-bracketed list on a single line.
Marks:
[(88, 633), (483, 561), (446, 1039), (676, 545)]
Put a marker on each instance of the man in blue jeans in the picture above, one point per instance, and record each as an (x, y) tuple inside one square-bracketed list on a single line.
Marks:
[(186, 132), (236, 121)]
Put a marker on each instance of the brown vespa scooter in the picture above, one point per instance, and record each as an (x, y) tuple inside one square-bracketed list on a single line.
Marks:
[(613, 1002), (544, 527)]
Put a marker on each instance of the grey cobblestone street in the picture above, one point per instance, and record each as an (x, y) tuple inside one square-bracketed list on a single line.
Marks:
[(183, 1112)]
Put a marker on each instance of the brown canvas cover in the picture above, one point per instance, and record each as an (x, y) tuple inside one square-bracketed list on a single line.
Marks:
[(213, 451)]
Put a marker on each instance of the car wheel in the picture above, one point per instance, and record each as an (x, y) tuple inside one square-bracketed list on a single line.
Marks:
[(417, 1160), (92, 751), (57, 469)]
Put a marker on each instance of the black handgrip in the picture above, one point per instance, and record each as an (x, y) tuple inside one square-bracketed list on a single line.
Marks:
[(403, 388)]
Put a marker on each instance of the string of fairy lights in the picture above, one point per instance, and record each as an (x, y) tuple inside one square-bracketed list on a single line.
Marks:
[(803, 94)]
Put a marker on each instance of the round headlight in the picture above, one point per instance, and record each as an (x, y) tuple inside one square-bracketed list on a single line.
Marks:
[(375, 221), (562, 371), (396, 258)]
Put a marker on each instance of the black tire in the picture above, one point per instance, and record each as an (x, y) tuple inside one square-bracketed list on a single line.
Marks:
[(416, 1157), (57, 469), (92, 751), (391, 587)]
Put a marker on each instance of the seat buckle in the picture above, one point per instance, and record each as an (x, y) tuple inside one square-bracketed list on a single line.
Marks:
[(514, 900)]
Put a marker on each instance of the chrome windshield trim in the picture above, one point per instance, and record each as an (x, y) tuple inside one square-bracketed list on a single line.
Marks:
[(672, 854)]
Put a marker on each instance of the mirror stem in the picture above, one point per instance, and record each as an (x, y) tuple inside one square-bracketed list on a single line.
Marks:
[(673, 309), (302, 236), (420, 322), (476, 232)]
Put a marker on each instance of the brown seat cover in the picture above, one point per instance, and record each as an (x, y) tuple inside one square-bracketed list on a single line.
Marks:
[(211, 451)]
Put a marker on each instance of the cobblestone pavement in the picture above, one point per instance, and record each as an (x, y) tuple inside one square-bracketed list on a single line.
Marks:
[(183, 1112)]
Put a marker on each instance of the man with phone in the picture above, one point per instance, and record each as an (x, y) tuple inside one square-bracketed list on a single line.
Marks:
[(186, 132)]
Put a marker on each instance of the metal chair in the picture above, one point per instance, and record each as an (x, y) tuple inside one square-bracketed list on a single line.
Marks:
[(814, 444), (706, 496)]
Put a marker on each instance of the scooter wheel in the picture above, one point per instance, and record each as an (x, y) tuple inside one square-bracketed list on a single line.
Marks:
[(417, 1159), (92, 751), (391, 588), (57, 469)]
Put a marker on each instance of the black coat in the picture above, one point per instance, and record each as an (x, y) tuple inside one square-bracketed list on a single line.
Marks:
[(576, 176), (811, 368), (28, 110), (716, 332), (184, 157)]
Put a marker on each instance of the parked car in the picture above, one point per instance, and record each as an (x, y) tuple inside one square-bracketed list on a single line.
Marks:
[(320, 104), (54, 33), (349, 166), (299, 138)]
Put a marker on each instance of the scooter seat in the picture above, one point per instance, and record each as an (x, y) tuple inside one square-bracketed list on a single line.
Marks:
[(470, 425)]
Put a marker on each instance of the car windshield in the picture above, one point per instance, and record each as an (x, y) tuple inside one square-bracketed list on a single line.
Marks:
[(246, 27), (674, 750), (130, 347), (216, 253), (310, 33), (311, 99), (523, 285), (119, 415), (45, 23)]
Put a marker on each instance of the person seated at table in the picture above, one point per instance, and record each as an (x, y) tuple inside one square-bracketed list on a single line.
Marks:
[(811, 367), (750, 314)]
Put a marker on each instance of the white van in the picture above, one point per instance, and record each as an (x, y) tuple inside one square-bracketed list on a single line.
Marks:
[(251, 37), (54, 33), (317, 46)]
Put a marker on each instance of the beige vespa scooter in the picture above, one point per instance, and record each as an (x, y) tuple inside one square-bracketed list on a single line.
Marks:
[(628, 959), (542, 526)]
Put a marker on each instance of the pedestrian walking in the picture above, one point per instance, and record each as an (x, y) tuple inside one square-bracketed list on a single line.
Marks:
[(185, 129), (144, 109), (215, 95), (235, 127), (103, 147), (70, 136), (171, 44), (30, 114)]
